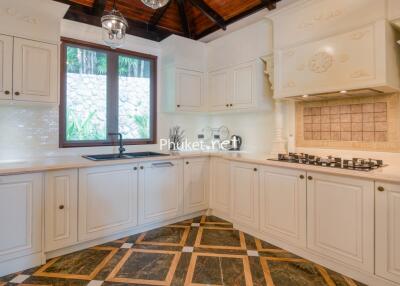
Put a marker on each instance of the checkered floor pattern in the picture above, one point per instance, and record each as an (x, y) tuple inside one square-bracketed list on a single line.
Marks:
[(201, 251)]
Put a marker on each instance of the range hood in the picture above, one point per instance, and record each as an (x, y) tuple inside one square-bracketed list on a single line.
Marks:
[(361, 62), (345, 93)]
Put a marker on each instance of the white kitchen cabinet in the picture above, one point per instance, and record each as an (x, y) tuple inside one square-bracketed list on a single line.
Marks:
[(160, 190), (196, 184), (61, 209), (358, 59), (219, 90), (6, 56), (35, 71), (394, 10), (245, 194), (20, 215), (243, 95), (220, 200), (239, 87), (340, 219), (189, 90), (387, 231), (107, 200), (283, 204)]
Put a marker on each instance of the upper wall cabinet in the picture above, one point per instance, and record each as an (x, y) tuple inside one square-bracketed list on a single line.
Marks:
[(28, 70), (310, 20), (240, 87), (35, 71), (6, 51), (362, 58), (182, 68)]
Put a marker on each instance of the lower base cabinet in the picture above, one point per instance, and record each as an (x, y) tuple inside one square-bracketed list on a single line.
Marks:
[(340, 219), (283, 203), (387, 231), (61, 209), (20, 215), (107, 200), (196, 184), (220, 197), (160, 191), (245, 194)]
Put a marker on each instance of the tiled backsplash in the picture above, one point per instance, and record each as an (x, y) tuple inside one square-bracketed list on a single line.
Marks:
[(350, 122)]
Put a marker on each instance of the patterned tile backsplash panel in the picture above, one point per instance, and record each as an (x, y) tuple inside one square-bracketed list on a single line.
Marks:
[(349, 122)]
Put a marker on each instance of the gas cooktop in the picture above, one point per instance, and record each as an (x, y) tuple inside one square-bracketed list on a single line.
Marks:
[(357, 164)]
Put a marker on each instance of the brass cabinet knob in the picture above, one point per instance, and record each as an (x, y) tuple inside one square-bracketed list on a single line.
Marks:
[(310, 178), (187, 163), (135, 168), (227, 105), (178, 105), (141, 167), (302, 177), (61, 207), (7, 92), (17, 93), (231, 105), (381, 189), (255, 169)]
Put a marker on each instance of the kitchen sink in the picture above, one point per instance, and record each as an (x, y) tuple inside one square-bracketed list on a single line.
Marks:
[(106, 157)]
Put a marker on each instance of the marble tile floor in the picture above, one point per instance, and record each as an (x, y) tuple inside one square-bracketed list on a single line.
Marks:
[(200, 251)]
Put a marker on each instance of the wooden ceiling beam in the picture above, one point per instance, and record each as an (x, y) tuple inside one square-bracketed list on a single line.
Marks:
[(98, 7), (270, 4), (184, 19), (158, 14), (83, 14), (210, 13)]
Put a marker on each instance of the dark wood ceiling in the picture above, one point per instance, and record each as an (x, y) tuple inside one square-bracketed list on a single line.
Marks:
[(189, 18)]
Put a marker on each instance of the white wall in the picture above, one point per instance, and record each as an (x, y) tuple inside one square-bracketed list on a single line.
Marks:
[(33, 130)]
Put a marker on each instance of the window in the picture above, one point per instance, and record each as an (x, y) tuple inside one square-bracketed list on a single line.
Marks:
[(106, 91)]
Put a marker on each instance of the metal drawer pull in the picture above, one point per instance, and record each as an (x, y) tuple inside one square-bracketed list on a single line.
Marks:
[(162, 165)]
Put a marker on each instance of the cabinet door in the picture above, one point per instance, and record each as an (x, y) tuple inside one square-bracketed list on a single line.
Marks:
[(340, 219), (190, 90), (61, 209), (35, 71), (394, 10), (6, 55), (219, 90), (196, 185), (107, 200), (245, 189), (160, 191), (243, 86), (387, 231), (283, 200), (20, 215), (220, 186)]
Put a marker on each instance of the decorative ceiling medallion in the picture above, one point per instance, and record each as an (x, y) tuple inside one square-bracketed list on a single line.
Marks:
[(320, 62)]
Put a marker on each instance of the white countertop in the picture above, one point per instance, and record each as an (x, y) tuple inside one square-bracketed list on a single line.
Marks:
[(389, 173)]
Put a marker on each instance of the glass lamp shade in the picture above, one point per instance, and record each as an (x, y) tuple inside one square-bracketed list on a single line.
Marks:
[(114, 28), (155, 4)]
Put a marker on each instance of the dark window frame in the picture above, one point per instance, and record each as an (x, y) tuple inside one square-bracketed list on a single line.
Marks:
[(112, 84)]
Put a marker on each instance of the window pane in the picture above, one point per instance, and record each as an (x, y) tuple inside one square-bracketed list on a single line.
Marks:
[(86, 87), (134, 97)]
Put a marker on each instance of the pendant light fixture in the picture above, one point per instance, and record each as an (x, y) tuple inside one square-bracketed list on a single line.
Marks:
[(155, 4), (114, 28)]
